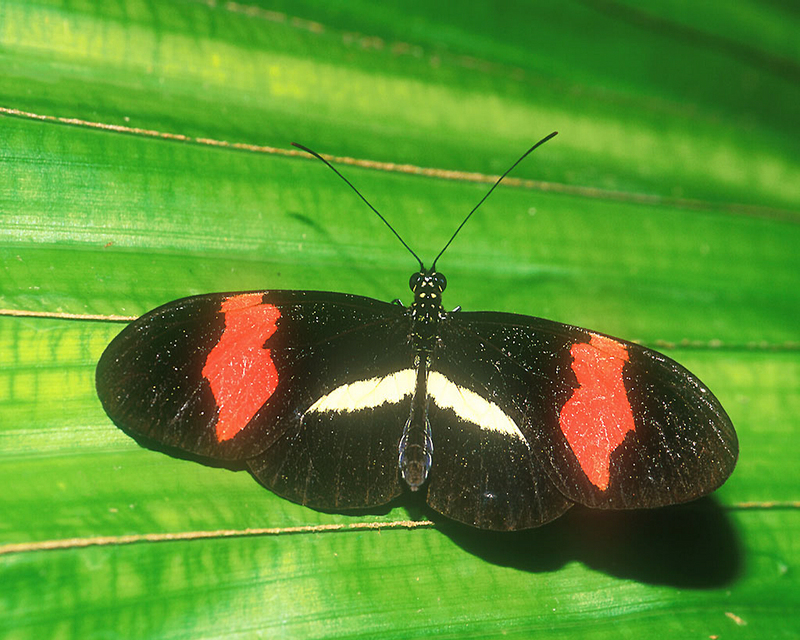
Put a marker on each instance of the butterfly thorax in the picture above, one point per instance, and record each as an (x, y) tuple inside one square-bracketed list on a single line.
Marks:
[(427, 309)]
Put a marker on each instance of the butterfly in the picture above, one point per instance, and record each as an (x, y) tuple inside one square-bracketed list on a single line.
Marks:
[(342, 402)]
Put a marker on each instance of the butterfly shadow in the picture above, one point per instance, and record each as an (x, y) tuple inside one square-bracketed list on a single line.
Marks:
[(691, 546), (356, 265), (180, 454)]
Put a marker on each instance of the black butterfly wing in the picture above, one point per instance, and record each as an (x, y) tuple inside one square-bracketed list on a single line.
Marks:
[(488, 478), (233, 376), (611, 423), (313, 389)]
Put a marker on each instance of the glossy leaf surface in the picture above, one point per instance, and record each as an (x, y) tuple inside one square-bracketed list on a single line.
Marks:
[(146, 156)]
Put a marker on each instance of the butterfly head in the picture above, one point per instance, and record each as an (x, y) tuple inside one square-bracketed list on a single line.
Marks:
[(427, 284)]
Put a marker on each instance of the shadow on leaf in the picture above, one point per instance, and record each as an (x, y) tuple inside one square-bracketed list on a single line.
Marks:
[(689, 546)]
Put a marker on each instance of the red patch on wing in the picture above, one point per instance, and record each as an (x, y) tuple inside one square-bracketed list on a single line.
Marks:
[(598, 415), (239, 370)]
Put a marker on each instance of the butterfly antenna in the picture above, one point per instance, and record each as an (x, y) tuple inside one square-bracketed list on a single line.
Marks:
[(488, 193), (377, 213)]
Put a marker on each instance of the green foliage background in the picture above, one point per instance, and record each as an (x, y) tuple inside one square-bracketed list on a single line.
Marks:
[(144, 156)]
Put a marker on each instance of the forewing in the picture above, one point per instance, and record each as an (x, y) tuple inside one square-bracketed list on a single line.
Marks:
[(613, 424), (232, 376)]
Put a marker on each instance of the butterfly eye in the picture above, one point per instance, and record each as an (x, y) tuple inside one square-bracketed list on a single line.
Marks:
[(440, 280), (414, 280)]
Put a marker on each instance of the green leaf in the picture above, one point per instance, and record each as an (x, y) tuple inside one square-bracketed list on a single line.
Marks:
[(145, 155)]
